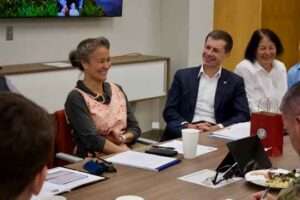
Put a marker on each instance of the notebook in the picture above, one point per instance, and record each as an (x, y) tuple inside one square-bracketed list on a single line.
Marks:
[(143, 160)]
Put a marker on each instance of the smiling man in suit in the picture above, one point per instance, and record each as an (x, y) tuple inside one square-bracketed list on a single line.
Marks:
[(206, 97)]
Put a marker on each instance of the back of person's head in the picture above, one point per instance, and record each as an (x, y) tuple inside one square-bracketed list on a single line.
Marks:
[(291, 101), (257, 36), (221, 35), (26, 140), (84, 49)]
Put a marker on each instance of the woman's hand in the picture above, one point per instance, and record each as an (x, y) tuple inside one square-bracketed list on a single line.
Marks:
[(124, 147), (117, 136), (110, 147)]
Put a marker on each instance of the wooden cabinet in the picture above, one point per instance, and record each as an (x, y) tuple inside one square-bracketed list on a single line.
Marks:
[(242, 17), (141, 77)]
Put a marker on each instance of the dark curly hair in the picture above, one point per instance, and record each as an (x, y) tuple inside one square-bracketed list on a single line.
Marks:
[(84, 49)]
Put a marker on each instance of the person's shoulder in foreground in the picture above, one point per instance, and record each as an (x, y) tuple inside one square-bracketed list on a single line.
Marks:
[(290, 109), (26, 140)]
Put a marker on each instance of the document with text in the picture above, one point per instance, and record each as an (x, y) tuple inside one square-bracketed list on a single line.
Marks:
[(61, 180)]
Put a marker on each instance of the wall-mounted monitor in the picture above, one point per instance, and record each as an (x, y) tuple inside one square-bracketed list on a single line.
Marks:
[(60, 8)]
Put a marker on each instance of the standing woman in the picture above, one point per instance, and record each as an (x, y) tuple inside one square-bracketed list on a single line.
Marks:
[(98, 111), (265, 77)]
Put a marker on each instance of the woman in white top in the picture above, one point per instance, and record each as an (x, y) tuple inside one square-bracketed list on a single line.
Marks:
[(265, 77)]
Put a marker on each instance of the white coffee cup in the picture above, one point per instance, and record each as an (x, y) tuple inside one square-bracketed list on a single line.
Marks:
[(189, 141), (129, 197)]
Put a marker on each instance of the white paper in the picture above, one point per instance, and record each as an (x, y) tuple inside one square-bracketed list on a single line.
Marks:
[(205, 177), (177, 145), (234, 132), (49, 197), (58, 186), (141, 160), (58, 64)]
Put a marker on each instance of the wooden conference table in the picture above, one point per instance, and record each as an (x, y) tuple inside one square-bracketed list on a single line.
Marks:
[(165, 185)]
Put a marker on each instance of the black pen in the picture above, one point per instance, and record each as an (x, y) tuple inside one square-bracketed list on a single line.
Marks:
[(162, 147), (103, 160), (265, 193)]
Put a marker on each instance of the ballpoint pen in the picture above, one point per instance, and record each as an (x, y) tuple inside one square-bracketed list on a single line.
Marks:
[(162, 147), (264, 194), (102, 159)]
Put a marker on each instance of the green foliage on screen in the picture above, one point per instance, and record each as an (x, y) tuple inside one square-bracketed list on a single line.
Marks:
[(28, 8), (90, 9)]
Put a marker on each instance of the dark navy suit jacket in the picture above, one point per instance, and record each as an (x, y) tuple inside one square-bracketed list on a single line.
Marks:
[(3, 85), (231, 104)]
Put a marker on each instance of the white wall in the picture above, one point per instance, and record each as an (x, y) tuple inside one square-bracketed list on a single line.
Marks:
[(38, 40), (174, 32), (184, 26), (200, 23), (173, 28)]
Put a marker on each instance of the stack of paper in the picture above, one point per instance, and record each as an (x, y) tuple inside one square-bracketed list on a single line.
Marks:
[(143, 160), (177, 145), (234, 132)]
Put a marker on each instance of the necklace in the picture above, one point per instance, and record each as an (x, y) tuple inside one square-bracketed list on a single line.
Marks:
[(100, 98)]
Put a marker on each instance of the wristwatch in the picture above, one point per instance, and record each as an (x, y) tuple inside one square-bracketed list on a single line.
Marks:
[(220, 125), (184, 124)]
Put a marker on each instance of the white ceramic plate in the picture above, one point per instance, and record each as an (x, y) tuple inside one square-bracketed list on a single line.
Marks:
[(129, 197), (260, 177)]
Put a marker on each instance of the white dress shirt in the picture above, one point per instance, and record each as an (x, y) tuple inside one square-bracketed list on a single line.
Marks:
[(204, 110), (264, 89)]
